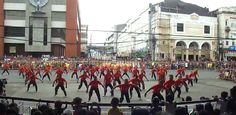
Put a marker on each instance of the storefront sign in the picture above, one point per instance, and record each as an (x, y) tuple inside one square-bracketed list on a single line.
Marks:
[(232, 48)]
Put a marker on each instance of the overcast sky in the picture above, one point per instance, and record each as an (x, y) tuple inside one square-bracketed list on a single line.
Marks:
[(104, 14)]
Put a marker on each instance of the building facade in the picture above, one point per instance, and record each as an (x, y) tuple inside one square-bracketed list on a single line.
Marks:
[(39, 27), (227, 32), (174, 30)]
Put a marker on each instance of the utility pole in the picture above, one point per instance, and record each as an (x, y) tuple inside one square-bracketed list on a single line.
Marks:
[(152, 39)]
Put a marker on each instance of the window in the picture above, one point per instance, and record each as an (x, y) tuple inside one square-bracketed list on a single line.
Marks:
[(58, 32), (233, 25), (180, 27), (227, 43), (58, 16), (206, 29), (14, 15), (232, 43), (14, 31)]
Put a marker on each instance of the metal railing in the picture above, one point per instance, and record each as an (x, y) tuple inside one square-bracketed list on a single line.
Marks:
[(99, 104)]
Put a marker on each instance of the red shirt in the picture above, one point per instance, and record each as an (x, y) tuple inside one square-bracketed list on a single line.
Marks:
[(178, 71), (134, 81), (124, 87), (140, 77), (125, 69), (60, 80), (29, 73), (6, 66), (157, 88), (184, 79), (135, 71), (95, 83), (161, 74), (117, 75), (92, 71), (32, 78), (59, 71), (21, 69), (47, 70), (178, 82), (102, 69), (168, 84), (75, 69), (195, 73), (153, 70), (108, 79), (83, 77)]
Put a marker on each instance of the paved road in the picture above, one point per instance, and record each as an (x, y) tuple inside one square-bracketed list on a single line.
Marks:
[(208, 86)]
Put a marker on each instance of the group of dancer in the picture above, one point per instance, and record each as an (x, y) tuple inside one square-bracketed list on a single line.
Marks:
[(109, 75)]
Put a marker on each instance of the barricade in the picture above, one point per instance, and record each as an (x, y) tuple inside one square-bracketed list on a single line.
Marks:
[(25, 108)]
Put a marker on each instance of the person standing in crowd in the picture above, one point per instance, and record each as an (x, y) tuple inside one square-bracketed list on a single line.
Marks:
[(124, 89), (140, 77), (161, 76), (60, 84), (232, 102), (5, 68), (135, 71), (184, 80), (178, 84), (125, 72), (94, 87), (59, 71), (75, 72), (83, 78), (38, 69), (136, 82), (58, 109), (65, 68), (178, 71), (153, 71), (21, 71), (169, 84), (117, 76), (107, 81), (115, 110), (222, 102), (47, 73), (195, 75), (32, 80), (102, 71), (156, 91), (92, 72)]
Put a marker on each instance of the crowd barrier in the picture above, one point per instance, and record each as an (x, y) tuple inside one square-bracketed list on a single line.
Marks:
[(26, 109)]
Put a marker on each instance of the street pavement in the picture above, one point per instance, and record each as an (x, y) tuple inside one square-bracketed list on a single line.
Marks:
[(209, 85)]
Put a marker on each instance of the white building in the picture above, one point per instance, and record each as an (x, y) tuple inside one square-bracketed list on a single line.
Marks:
[(181, 31), (227, 32), (134, 36)]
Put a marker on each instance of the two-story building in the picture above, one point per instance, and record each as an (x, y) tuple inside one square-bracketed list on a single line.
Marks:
[(174, 30)]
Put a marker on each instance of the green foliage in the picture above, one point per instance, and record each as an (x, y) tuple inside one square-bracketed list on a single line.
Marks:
[(140, 53)]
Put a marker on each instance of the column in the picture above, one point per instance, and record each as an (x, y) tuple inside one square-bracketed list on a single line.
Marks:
[(199, 54), (194, 54), (182, 54), (187, 53), (212, 56)]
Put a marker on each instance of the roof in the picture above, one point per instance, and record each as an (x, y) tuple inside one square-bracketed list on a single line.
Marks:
[(177, 6)]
